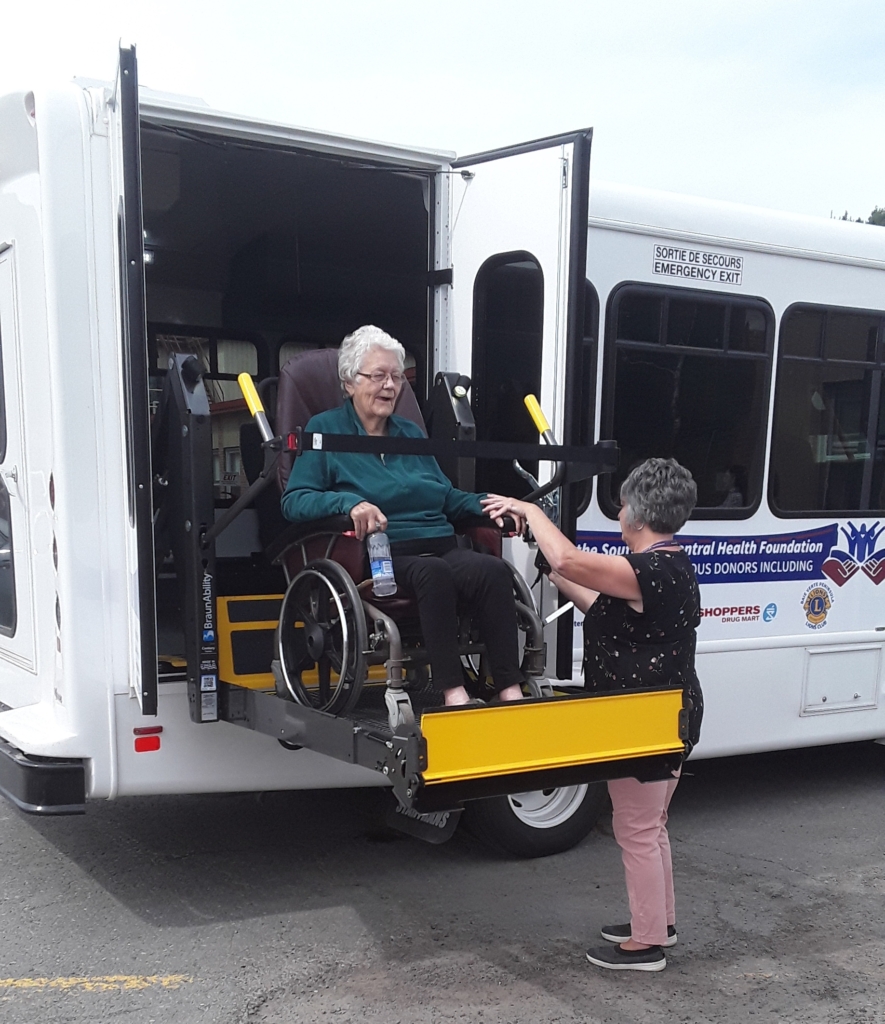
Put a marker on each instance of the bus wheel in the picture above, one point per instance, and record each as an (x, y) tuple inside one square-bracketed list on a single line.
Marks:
[(539, 823)]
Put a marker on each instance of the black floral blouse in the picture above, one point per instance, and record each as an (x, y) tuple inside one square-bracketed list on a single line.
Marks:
[(624, 649)]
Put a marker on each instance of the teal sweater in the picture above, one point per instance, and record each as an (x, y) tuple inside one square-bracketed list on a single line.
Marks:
[(411, 490)]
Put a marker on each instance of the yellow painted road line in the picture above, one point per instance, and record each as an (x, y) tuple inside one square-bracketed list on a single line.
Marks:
[(108, 983)]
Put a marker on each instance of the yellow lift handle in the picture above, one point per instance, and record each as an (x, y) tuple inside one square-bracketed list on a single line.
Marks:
[(255, 406), (540, 420)]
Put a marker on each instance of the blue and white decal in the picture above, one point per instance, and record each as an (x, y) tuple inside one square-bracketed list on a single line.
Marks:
[(773, 558)]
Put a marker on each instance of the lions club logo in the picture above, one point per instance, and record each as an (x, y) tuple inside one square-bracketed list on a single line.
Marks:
[(816, 603)]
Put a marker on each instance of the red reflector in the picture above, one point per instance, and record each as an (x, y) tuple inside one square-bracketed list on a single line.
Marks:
[(148, 730), (146, 743)]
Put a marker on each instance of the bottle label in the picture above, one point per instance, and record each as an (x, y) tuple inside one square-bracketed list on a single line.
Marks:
[(382, 567)]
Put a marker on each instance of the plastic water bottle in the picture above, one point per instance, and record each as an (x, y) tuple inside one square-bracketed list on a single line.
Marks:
[(383, 582)]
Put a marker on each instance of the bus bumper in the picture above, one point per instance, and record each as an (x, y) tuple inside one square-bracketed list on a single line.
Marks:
[(42, 785)]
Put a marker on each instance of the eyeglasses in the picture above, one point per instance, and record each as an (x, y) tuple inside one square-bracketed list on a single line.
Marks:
[(380, 376)]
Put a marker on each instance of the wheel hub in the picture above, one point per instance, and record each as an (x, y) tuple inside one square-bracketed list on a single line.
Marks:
[(316, 641)]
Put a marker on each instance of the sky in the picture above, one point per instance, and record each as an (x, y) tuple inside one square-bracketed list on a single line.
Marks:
[(775, 103)]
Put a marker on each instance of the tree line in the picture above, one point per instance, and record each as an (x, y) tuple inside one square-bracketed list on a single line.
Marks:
[(876, 217)]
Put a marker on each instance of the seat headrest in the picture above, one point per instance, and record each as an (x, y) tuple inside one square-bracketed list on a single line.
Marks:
[(308, 385)]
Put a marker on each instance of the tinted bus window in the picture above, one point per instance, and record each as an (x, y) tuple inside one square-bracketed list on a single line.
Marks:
[(508, 311), (2, 407), (583, 387), (828, 445), (687, 377), (7, 568)]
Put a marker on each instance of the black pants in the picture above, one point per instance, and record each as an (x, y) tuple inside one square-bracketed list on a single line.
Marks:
[(483, 584)]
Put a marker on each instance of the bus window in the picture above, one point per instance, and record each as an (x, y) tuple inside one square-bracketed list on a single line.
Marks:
[(7, 567), (234, 357), (2, 408), (585, 391), (288, 349), (694, 324), (222, 360), (508, 310), (828, 444), (687, 377)]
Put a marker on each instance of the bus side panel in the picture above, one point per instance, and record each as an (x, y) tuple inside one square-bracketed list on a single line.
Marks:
[(781, 641), (754, 700), (75, 591), (221, 758)]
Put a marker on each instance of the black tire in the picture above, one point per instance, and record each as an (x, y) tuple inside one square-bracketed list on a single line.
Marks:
[(536, 824)]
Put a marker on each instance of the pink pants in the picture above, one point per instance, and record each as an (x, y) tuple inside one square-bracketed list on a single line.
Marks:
[(639, 818)]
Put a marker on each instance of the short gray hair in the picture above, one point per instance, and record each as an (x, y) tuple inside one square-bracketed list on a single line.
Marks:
[(356, 346), (659, 494)]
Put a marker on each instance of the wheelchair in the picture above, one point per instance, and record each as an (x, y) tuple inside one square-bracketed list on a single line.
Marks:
[(338, 647)]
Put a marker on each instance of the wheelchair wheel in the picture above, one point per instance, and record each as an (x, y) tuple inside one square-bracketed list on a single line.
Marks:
[(322, 638)]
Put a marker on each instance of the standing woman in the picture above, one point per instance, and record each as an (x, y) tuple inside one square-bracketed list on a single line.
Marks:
[(641, 612)]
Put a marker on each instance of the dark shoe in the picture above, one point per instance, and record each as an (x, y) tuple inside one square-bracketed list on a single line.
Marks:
[(615, 958), (621, 932)]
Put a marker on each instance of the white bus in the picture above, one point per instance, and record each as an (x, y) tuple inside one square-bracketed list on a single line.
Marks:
[(139, 231), (750, 345)]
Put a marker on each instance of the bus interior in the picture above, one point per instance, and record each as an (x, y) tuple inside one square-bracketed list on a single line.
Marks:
[(252, 254)]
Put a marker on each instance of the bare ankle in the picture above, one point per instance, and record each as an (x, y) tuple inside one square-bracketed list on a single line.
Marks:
[(457, 695)]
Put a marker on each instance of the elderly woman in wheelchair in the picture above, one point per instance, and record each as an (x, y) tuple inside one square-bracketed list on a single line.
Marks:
[(409, 498)]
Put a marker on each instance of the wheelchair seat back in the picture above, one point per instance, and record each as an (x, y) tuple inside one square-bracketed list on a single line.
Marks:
[(308, 385)]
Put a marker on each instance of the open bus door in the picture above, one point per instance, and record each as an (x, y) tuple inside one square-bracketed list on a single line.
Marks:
[(133, 335), (519, 256)]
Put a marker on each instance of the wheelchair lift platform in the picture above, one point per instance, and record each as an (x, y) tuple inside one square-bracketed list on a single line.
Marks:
[(343, 684), (450, 755)]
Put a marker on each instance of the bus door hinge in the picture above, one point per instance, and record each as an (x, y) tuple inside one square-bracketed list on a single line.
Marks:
[(565, 173), (436, 278)]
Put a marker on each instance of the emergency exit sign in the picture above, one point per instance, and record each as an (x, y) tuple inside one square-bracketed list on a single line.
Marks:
[(698, 264)]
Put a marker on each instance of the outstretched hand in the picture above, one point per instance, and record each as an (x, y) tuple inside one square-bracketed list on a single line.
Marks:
[(496, 506)]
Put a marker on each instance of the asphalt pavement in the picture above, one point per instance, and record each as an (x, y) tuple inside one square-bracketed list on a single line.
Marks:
[(305, 907)]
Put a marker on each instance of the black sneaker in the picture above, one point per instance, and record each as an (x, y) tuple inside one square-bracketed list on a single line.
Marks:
[(615, 958), (621, 933)]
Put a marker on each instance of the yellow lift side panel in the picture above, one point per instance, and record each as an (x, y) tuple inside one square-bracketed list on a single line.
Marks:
[(532, 736), (227, 626)]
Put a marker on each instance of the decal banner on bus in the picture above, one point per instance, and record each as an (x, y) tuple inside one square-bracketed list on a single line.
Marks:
[(809, 555)]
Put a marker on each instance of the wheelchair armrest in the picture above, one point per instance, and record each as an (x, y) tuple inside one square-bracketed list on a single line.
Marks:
[(298, 533), (483, 523)]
